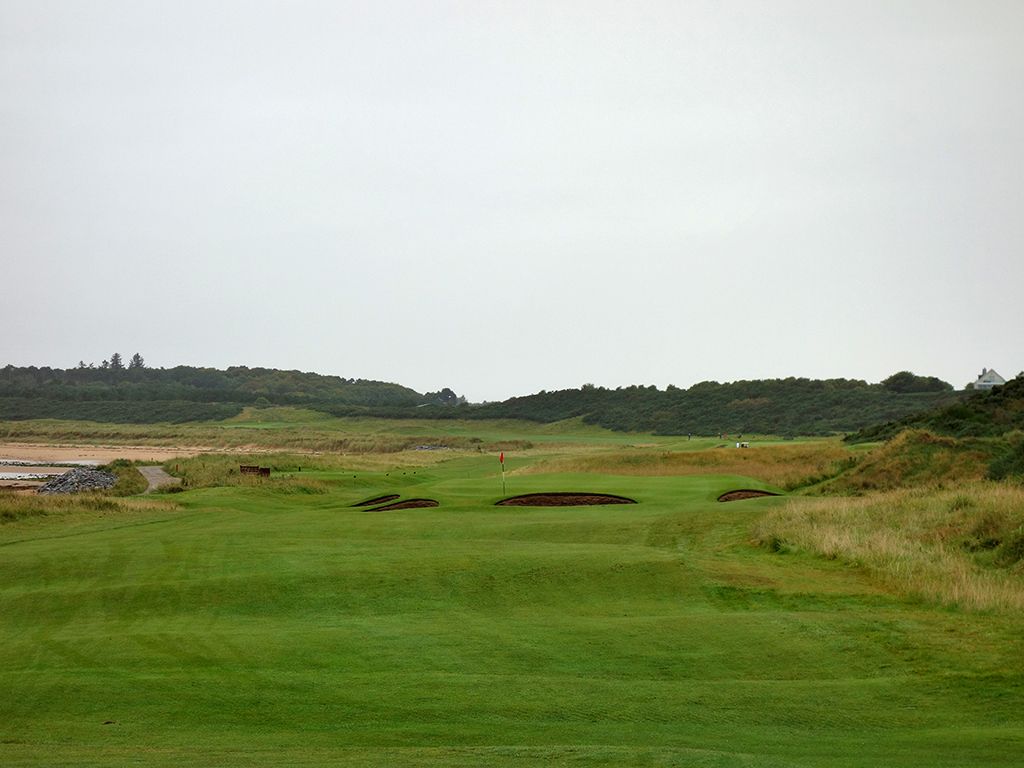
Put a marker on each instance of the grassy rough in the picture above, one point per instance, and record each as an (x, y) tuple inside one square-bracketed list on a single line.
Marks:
[(962, 547), (915, 458), (130, 481), (297, 429), (785, 465), (21, 506)]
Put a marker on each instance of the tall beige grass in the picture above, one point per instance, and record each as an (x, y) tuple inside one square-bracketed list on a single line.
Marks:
[(784, 466), (290, 470), (327, 435), (21, 506), (916, 457), (959, 547)]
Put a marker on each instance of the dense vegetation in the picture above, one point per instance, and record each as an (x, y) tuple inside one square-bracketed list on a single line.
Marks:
[(1009, 463), (983, 414), (793, 406), (115, 411), (113, 392)]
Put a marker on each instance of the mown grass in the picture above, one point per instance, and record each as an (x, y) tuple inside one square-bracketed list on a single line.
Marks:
[(271, 623), (962, 547)]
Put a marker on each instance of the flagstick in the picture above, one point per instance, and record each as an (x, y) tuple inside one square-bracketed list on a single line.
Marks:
[(501, 458)]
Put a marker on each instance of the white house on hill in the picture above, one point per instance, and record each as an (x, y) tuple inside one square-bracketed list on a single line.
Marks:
[(989, 379)]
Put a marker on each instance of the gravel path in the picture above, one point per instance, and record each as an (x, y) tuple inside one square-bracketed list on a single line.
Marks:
[(156, 477)]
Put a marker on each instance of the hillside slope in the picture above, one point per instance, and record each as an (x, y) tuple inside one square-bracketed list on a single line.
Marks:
[(917, 458), (793, 406), (982, 414), (182, 393)]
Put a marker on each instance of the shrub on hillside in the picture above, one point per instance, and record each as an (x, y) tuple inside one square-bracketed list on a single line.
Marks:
[(1009, 464), (905, 382)]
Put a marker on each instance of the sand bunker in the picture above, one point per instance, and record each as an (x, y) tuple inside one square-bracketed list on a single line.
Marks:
[(407, 504), (563, 499), (744, 493), (377, 500)]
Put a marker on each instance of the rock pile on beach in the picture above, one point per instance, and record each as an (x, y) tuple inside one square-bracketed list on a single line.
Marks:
[(79, 479)]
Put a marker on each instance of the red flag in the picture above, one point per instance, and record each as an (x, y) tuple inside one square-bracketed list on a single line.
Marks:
[(501, 458)]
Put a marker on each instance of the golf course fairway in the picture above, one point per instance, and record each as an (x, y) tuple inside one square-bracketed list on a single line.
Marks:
[(276, 624)]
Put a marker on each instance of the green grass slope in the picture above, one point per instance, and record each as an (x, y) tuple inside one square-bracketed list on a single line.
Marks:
[(273, 624)]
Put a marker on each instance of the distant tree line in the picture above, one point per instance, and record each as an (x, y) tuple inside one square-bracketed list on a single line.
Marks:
[(112, 367), (793, 406), (114, 391)]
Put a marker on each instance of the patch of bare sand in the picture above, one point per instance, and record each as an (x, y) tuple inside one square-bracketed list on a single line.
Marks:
[(29, 469), (64, 452)]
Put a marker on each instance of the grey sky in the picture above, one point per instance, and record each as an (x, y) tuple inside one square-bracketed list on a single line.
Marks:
[(508, 197)]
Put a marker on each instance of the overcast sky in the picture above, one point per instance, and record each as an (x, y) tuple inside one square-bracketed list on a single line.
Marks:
[(514, 196)]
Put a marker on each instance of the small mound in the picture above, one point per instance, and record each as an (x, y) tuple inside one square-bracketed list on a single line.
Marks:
[(407, 504), (563, 499), (744, 493), (377, 500)]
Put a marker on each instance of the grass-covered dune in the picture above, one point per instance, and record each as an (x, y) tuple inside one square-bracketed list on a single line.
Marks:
[(271, 623), (916, 458)]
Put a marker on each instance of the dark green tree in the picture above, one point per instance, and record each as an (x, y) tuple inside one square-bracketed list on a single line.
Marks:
[(905, 382)]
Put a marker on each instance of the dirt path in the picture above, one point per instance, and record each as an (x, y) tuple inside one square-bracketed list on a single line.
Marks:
[(156, 477)]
